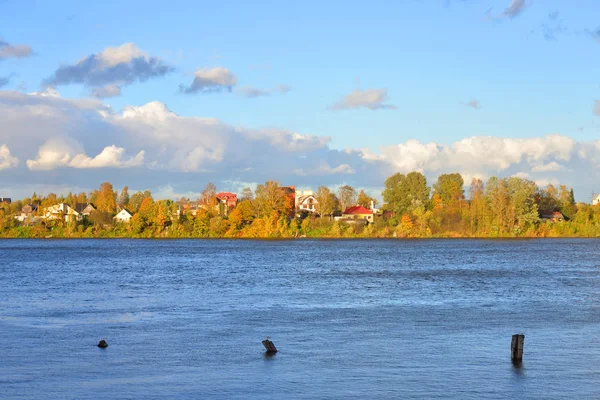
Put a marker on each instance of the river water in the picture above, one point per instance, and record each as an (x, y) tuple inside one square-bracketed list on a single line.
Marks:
[(360, 319)]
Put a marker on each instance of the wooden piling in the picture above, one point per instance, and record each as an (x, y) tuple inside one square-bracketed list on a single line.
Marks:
[(516, 347), (269, 346)]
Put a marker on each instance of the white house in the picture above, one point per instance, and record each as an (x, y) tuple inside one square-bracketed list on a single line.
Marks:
[(123, 216), (305, 201), (61, 212), (596, 200)]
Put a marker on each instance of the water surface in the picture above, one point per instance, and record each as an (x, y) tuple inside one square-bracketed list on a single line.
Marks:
[(352, 319)]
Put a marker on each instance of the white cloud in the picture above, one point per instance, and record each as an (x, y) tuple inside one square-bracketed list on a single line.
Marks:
[(111, 156), (6, 159), (515, 8), (252, 92), (208, 80), (65, 152), (8, 50), (551, 166), (372, 99), (110, 69), (185, 152)]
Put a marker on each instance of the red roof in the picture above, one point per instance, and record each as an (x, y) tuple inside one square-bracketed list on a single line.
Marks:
[(357, 210), (225, 195)]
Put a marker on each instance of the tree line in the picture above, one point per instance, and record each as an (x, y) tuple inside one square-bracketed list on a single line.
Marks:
[(499, 207)]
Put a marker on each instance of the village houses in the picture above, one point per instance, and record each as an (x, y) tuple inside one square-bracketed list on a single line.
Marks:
[(123, 216), (305, 201)]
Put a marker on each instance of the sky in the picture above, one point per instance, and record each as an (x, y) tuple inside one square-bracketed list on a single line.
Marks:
[(167, 96)]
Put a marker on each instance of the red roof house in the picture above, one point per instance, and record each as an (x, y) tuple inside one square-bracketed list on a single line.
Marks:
[(230, 199), (358, 212)]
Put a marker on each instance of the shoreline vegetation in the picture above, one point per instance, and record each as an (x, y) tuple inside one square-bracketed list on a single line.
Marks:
[(501, 208)]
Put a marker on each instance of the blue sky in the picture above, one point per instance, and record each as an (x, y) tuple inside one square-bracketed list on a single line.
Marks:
[(448, 69)]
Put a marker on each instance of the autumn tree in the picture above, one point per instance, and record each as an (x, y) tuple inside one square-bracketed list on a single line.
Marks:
[(136, 200), (365, 200), (347, 196), (547, 198), (498, 199), (207, 197), (106, 198), (270, 198), (247, 194)]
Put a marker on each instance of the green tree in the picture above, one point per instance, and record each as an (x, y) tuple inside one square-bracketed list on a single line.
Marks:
[(477, 207), (124, 198), (566, 199), (523, 209), (449, 188), (325, 200), (498, 199), (404, 193)]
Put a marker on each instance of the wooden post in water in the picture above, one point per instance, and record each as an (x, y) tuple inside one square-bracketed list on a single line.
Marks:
[(516, 347), (271, 349)]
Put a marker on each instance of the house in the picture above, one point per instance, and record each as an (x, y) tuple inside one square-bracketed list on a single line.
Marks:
[(226, 202), (123, 216), (85, 209), (61, 212), (357, 213), (553, 216), (376, 211), (227, 198), (186, 207), (26, 212), (6, 200), (306, 201), (596, 200)]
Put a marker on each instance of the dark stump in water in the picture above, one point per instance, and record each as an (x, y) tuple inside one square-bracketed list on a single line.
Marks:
[(269, 346), (102, 344)]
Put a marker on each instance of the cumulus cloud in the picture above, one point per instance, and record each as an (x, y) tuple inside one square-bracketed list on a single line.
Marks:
[(8, 50), (6, 159), (90, 143), (373, 99), (65, 152), (252, 92), (111, 68), (208, 80)]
